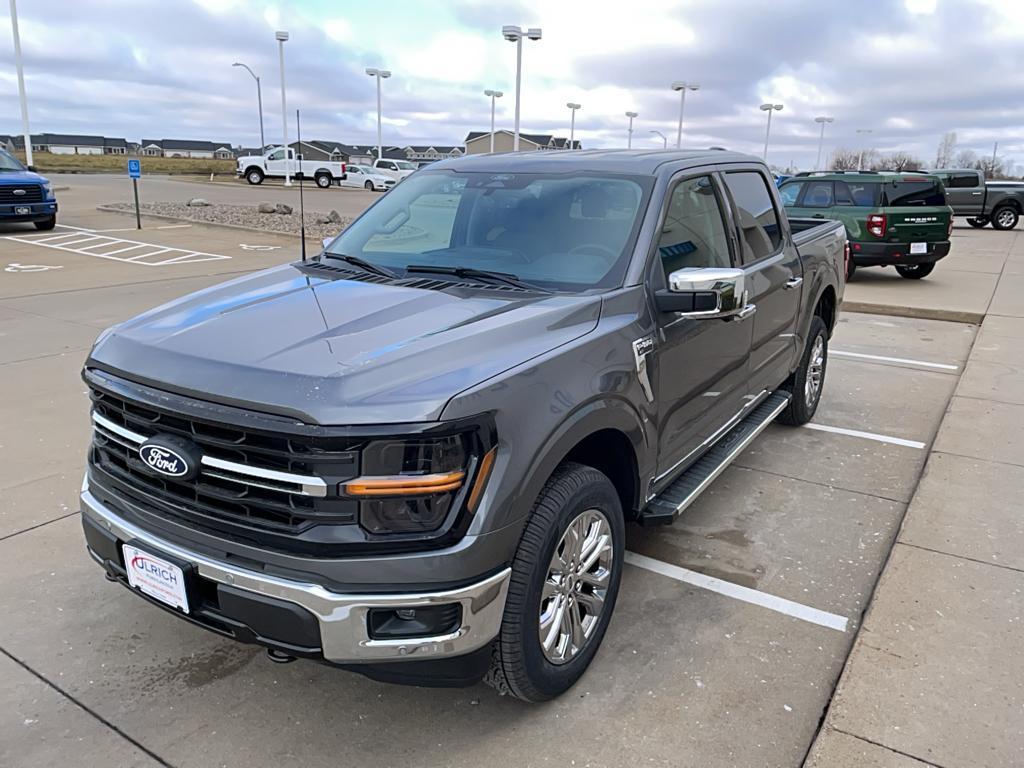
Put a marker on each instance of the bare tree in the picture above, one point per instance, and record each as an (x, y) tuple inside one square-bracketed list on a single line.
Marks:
[(902, 161), (844, 159), (966, 158), (947, 146)]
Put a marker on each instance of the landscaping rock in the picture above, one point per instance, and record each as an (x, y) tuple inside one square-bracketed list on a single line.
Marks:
[(334, 218), (266, 208), (198, 202), (284, 210), (324, 220)]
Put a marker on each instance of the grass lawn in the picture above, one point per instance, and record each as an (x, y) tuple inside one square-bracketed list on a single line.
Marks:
[(50, 163)]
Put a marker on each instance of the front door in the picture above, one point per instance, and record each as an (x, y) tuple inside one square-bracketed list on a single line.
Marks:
[(701, 364), (275, 162), (965, 191), (774, 279)]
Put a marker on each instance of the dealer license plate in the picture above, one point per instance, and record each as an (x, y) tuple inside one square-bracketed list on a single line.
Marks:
[(155, 577), (22, 210), (919, 247)]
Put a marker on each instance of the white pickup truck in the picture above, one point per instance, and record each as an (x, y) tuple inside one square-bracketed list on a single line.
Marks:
[(396, 169), (273, 164)]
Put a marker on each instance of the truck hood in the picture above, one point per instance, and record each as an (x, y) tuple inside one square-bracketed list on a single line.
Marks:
[(338, 351), (21, 177)]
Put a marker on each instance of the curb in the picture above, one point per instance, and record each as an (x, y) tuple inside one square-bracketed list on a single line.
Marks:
[(896, 310)]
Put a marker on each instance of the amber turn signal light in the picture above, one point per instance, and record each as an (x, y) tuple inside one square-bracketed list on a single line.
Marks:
[(405, 485)]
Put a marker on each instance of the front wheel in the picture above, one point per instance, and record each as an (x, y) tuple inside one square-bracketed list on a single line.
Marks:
[(565, 578), (1005, 218), (46, 224), (254, 176), (915, 271), (806, 383), (369, 186), (977, 221)]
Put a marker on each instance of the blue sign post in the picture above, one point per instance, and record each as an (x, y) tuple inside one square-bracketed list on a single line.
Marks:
[(135, 173)]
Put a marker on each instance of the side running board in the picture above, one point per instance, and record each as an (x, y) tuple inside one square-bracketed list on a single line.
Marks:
[(670, 503)]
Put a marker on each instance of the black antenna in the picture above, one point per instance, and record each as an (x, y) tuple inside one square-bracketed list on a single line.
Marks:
[(302, 207)]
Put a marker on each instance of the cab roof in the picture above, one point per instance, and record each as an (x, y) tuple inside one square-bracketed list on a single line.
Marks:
[(864, 175), (642, 162)]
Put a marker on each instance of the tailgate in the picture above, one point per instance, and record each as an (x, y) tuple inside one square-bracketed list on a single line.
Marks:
[(909, 225)]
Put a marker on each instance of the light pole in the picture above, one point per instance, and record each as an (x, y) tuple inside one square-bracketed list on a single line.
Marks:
[(682, 87), (282, 38), (21, 84), (494, 95), (629, 141), (259, 101), (860, 162), (664, 141), (515, 35), (382, 74), (572, 123), (821, 138), (769, 108)]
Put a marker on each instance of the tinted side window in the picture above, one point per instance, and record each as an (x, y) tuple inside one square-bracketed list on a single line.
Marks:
[(818, 195), (694, 230), (758, 221), (790, 192), (915, 192), (963, 180)]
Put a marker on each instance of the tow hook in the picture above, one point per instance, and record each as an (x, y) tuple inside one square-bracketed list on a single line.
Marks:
[(279, 657)]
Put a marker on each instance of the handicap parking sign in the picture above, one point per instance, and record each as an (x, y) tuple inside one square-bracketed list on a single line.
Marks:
[(134, 169)]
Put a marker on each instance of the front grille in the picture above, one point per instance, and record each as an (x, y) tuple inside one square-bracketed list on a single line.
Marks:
[(261, 487), (22, 193)]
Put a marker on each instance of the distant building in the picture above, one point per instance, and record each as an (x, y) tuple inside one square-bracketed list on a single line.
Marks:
[(479, 142), (70, 144), (187, 148), (430, 154)]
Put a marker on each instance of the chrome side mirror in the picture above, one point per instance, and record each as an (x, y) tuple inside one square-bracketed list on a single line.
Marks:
[(704, 292)]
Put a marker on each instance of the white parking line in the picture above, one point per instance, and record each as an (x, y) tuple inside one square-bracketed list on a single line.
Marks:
[(89, 241), (747, 595), (866, 435), (884, 359)]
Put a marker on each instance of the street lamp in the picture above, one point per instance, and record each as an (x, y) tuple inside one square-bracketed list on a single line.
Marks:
[(572, 123), (682, 87), (21, 84), (629, 141), (860, 162), (381, 74), (821, 138), (282, 38), (259, 101), (769, 108), (494, 95), (664, 141), (515, 35)]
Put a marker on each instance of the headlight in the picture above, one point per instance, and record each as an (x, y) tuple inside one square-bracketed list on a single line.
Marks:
[(411, 485), (47, 190)]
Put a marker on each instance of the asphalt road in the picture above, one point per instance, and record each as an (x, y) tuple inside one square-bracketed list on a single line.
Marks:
[(731, 670)]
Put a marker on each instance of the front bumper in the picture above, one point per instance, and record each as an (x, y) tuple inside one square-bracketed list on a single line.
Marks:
[(339, 620), (35, 212), (887, 254)]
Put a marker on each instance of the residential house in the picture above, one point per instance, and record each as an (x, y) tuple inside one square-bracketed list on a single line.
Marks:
[(115, 146), (431, 154), (6, 142), (187, 148), (332, 151), (65, 144), (479, 142)]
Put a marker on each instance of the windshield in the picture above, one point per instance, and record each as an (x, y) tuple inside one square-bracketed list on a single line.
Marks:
[(405, 165), (557, 232), (921, 191), (9, 162)]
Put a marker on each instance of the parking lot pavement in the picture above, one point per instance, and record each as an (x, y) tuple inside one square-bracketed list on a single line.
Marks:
[(731, 630), (961, 287)]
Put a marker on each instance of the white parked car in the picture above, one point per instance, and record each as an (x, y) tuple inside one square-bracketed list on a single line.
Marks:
[(396, 169), (368, 178), (256, 168)]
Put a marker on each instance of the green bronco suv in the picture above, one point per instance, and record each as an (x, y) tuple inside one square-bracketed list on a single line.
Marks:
[(898, 219)]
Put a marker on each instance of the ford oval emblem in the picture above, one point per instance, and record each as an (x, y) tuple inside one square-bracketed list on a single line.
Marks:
[(20, 192), (165, 458)]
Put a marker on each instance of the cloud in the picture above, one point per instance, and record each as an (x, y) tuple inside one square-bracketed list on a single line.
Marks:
[(149, 67)]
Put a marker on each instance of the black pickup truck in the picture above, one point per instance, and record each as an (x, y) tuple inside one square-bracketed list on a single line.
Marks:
[(1000, 203), (414, 455)]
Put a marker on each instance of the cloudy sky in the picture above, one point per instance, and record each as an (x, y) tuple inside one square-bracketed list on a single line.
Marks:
[(908, 70)]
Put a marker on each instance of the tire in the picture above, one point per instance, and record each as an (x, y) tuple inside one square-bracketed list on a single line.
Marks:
[(807, 395), (369, 186), (323, 180), (977, 221), (851, 268), (254, 176), (584, 498), (46, 224), (1005, 218), (915, 271)]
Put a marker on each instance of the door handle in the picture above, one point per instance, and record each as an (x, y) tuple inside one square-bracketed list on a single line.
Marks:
[(793, 282), (818, 216), (744, 313), (975, 193)]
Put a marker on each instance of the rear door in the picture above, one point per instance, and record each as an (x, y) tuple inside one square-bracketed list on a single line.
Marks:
[(965, 191), (916, 211), (774, 275), (701, 363)]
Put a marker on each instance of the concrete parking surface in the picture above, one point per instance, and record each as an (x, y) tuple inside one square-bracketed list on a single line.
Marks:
[(732, 627)]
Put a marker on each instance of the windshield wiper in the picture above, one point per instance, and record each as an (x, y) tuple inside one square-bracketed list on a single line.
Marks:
[(366, 266), (480, 274)]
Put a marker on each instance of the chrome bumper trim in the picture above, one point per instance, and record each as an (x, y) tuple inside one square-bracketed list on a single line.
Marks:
[(343, 617)]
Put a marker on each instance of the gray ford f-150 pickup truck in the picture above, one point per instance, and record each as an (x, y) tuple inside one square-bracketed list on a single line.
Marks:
[(414, 455), (1000, 203)]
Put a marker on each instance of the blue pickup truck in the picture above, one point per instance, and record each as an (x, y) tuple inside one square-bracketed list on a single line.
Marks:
[(25, 195)]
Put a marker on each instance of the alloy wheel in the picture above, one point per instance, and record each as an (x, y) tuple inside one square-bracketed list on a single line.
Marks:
[(815, 371), (573, 595)]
